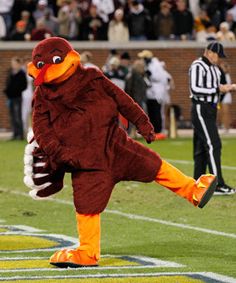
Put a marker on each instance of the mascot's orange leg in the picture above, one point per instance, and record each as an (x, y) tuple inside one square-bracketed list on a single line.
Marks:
[(197, 192), (88, 253)]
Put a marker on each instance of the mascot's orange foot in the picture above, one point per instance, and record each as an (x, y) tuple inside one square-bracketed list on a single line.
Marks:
[(72, 258), (206, 186)]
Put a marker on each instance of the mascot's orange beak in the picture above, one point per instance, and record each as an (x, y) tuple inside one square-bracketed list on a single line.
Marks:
[(55, 73), (40, 78)]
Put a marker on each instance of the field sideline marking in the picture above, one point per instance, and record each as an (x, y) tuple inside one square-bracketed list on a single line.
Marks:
[(85, 268), (191, 162), (63, 241), (143, 261), (210, 275), (23, 258), (169, 223), (140, 217)]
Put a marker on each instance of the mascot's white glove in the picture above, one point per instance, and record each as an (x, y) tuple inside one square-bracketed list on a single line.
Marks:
[(42, 181)]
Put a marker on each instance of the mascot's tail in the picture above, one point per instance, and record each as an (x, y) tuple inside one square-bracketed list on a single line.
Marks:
[(42, 181)]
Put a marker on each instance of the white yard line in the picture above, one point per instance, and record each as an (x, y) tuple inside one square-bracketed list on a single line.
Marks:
[(85, 268), (206, 275), (140, 217), (22, 228), (187, 162), (23, 258), (169, 223), (143, 262)]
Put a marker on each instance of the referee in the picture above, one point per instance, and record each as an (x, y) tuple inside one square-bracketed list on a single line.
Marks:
[(206, 88)]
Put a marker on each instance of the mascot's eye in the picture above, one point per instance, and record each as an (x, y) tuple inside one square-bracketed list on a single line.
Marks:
[(56, 59), (40, 64)]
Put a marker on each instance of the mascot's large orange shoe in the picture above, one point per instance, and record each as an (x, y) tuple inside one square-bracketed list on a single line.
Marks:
[(72, 258), (88, 252), (197, 192), (206, 186)]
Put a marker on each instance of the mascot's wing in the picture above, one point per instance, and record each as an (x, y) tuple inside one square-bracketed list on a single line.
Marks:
[(42, 181), (130, 110)]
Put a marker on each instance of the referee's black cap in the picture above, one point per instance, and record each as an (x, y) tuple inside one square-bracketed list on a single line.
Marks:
[(217, 47)]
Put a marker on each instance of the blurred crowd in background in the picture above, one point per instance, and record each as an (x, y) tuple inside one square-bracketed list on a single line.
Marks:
[(144, 77), (118, 20)]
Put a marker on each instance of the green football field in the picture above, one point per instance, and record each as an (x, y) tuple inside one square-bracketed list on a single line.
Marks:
[(148, 233)]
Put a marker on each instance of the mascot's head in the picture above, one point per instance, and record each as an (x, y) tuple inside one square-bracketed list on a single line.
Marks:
[(53, 61)]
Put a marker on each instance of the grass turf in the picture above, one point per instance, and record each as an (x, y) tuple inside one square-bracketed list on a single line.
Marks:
[(197, 250)]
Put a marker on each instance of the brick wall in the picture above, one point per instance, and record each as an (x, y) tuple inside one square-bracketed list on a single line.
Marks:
[(178, 57)]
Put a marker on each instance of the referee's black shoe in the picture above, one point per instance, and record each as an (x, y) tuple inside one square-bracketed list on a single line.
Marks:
[(224, 190)]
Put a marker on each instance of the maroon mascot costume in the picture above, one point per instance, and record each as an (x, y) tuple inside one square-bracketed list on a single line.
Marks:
[(76, 130)]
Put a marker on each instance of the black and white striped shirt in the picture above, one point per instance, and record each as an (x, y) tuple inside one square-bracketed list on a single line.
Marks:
[(205, 79)]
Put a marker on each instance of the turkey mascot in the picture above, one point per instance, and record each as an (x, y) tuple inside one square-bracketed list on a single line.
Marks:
[(76, 130)]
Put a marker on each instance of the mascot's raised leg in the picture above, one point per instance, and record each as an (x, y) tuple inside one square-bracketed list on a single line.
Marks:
[(88, 252), (197, 192)]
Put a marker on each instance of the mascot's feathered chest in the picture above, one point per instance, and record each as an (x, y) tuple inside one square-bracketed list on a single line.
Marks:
[(77, 111)]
